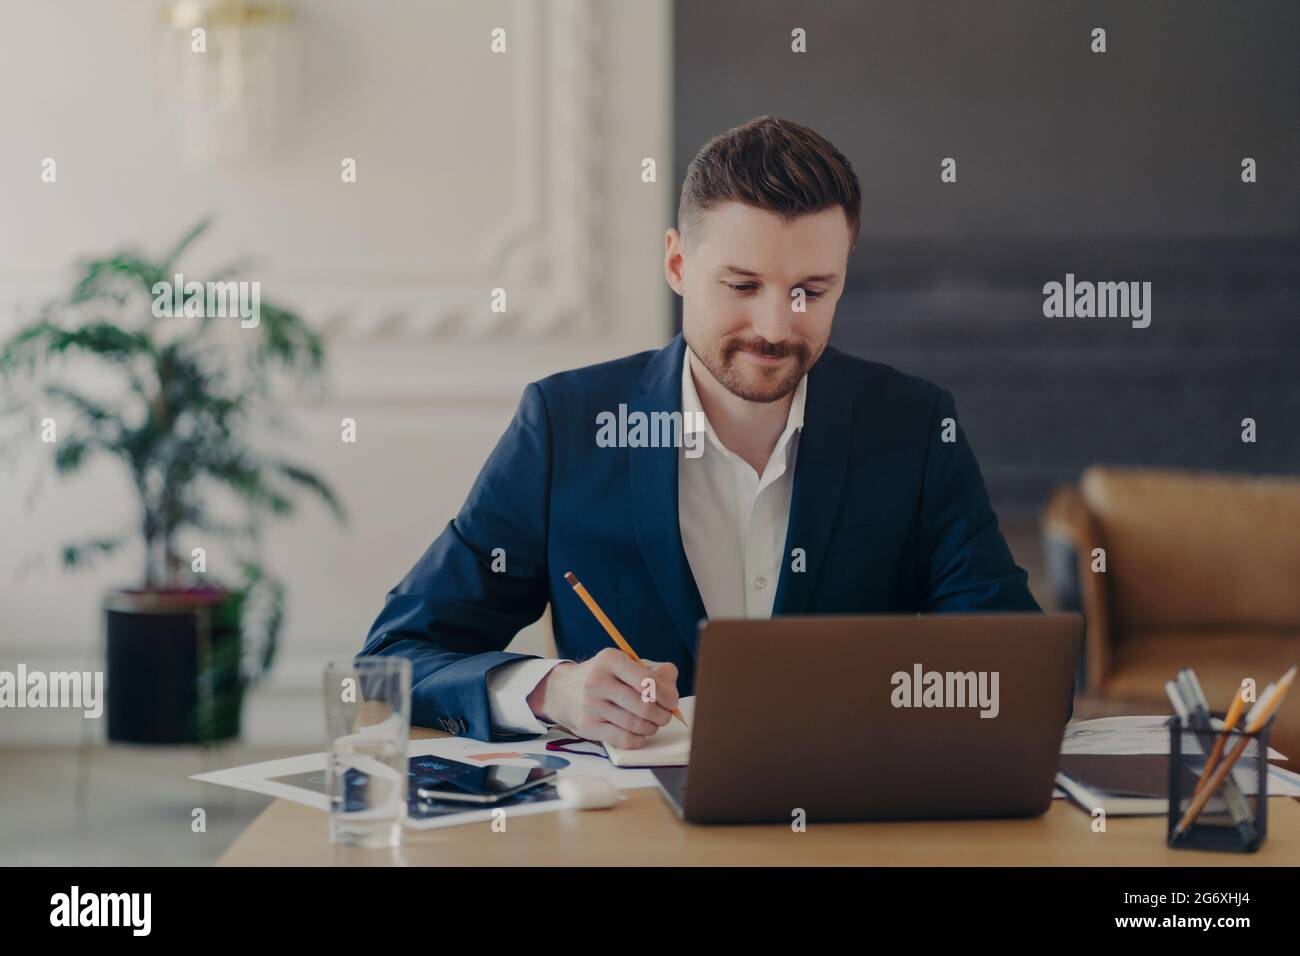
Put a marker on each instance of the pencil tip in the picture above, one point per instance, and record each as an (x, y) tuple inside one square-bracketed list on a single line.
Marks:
[(568, 576)]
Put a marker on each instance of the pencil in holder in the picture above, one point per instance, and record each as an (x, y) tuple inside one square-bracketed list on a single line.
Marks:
[(1234, 817)]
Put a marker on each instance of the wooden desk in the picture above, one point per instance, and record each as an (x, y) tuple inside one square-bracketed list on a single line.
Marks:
[(642, 831)]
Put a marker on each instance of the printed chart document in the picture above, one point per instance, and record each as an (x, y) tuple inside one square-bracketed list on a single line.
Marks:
[(302, 779), (669, 747)]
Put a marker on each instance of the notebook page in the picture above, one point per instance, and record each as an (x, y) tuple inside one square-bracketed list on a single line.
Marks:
[(670, 746)]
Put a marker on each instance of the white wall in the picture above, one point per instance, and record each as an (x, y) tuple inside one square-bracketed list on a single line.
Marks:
[(474, 171)]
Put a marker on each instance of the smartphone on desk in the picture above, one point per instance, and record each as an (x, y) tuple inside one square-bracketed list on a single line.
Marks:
[(438, 778)]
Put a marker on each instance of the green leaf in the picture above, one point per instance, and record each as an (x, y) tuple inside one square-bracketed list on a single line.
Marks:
[(97, 416), (262, 618), (71, 454), (45, 340), (287, 341), (85, 554), (106, 278), (185, 242), (247, 481), (301, 476)]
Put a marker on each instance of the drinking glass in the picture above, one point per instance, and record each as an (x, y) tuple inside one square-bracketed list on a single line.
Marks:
[(368, 720)]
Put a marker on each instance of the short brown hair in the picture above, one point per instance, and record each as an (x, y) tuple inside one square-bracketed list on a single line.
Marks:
[(770, 163)]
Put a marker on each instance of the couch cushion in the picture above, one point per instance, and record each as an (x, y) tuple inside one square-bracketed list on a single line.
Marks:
[(1221, 659), (1197, 550)]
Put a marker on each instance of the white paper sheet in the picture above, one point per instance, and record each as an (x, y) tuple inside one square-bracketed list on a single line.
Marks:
[(262, 777), (1123, 735)]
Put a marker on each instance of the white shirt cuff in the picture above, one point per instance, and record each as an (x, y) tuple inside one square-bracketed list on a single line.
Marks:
[(508, 687)]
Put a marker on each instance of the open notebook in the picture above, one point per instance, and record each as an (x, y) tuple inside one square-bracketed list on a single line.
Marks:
[(670, 746)]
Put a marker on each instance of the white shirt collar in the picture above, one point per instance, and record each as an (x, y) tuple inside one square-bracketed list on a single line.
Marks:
[(693, 423)]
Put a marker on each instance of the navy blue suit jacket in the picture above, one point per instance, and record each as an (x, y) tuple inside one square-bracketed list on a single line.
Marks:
[(891, 519)]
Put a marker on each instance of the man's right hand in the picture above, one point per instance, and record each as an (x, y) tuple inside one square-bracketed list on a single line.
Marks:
[(601, 698)]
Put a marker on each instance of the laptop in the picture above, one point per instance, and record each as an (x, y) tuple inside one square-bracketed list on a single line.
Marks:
[(907, 717)]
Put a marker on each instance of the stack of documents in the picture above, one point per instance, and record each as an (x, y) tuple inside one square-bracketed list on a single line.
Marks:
[(1121, 765)]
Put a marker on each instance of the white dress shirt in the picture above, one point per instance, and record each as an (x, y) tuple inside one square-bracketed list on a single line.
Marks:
[(725, 511)]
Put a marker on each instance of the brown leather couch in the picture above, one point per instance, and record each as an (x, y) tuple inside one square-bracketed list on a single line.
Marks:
[(1202, 571)]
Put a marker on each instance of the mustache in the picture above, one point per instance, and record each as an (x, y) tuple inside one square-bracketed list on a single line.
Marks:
[(765, 349)]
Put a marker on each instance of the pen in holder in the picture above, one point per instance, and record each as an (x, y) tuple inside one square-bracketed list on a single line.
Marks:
[(1234, 816)]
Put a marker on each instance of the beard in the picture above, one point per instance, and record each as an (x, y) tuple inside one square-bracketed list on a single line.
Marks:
[(752, 382)]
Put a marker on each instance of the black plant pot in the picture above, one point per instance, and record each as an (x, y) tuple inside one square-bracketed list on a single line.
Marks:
[(173, 666)]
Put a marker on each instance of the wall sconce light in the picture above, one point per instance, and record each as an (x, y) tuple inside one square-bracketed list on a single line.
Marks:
[(229, 75)]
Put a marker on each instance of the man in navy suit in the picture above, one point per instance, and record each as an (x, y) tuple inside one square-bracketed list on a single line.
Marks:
[(744, 470)]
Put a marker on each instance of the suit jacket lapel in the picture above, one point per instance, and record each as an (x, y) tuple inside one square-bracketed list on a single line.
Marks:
[(819, 473), (653, 476)]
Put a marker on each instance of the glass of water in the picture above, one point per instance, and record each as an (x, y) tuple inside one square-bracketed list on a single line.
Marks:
[(368, 719)]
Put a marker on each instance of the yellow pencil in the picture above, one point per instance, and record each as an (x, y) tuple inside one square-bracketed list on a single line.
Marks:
[(1266, 712), (1229, 722), (610, 629)]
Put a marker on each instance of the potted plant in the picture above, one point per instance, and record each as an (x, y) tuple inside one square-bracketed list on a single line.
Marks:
[(183, 395)]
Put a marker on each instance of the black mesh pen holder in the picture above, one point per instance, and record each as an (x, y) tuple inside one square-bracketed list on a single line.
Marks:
[(1234, 818)]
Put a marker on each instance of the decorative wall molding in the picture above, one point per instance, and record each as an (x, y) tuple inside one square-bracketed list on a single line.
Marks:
[(546, 255)]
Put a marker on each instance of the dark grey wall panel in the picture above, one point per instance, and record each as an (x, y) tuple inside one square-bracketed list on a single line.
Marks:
[(1121, 166)]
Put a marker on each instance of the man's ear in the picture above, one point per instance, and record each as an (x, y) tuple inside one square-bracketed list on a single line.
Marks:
[(674, 247)]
